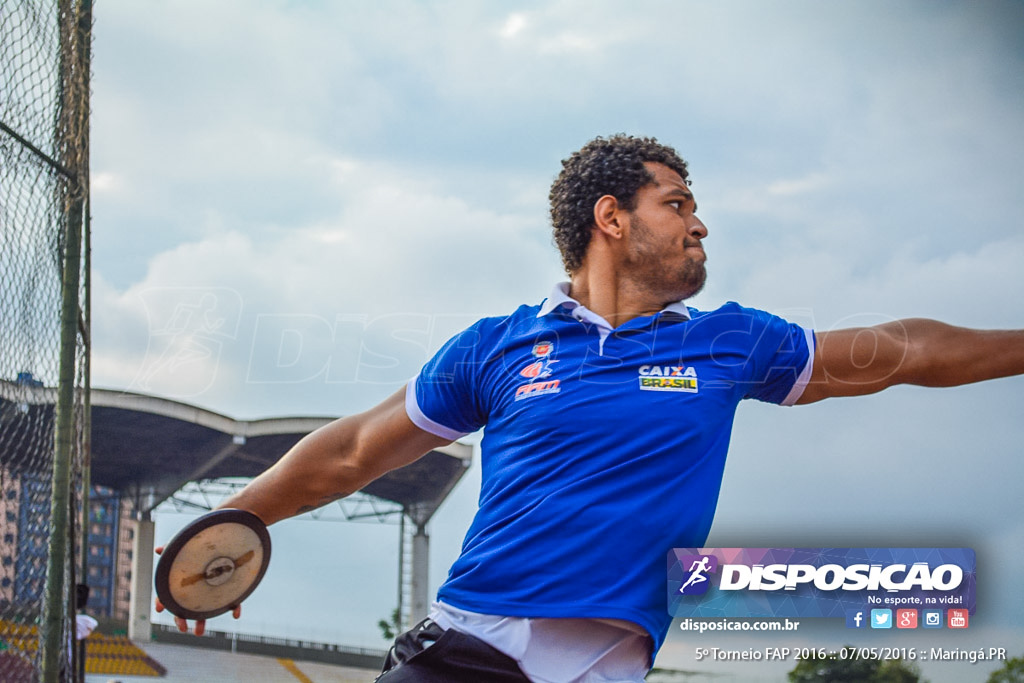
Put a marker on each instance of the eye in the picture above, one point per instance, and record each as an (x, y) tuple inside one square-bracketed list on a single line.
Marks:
[(676, 204)]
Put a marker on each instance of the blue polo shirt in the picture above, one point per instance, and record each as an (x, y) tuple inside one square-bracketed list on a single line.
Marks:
[(602, 449)]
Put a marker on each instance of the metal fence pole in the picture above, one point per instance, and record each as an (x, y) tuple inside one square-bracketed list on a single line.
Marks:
[(53, 608), (55, 625)]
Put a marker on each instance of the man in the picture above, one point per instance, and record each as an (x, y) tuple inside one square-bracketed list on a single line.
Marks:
[(608, 410)]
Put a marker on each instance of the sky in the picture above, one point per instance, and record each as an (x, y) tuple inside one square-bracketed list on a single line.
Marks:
[(295, 203)]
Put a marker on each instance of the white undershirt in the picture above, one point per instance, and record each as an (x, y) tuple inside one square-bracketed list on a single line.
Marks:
[(558, 650)]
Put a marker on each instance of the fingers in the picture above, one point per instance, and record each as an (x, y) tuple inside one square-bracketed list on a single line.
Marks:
[(200, 625), (182, 624)]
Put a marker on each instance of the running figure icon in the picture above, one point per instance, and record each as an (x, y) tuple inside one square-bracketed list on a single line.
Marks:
[(697, 571)]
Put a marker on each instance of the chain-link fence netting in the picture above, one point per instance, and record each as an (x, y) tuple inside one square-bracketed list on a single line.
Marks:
[(44, 64)]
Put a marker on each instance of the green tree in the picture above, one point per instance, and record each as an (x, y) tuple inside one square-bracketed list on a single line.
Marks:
[(1012, 672), (897, 671), (834, 669), (390, 629)]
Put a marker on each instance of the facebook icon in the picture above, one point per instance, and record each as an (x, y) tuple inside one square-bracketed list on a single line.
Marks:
[(855, 619)]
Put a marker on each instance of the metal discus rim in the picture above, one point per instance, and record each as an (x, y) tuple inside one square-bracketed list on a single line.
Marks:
[(182, 538)]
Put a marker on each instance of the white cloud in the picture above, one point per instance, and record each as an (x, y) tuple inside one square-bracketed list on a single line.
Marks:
[(106, 182), (798, 186), (514, 25), (395, 253)]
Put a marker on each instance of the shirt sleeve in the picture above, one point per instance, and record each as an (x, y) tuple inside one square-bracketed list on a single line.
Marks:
[(781, 360), (444, 398)]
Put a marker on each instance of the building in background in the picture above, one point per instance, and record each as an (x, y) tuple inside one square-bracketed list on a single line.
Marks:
[(24, 522), (10, 492), (24, 530), (109, 553)]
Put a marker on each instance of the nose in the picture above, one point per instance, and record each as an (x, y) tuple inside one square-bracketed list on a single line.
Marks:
[(696, 228)]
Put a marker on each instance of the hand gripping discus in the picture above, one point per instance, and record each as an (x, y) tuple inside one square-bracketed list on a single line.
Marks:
[(213, 564)]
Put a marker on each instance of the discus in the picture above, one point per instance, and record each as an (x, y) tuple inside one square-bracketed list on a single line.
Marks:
[(213, 564)]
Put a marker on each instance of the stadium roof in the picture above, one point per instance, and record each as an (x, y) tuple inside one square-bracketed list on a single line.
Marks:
[(151, 446)]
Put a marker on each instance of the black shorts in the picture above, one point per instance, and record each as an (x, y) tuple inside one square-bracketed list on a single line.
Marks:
[(427, 653)]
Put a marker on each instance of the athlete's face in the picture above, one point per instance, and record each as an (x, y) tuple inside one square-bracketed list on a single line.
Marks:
[(664, 253)]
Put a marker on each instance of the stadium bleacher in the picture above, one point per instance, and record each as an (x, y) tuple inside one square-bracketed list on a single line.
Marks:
[(185, 664)]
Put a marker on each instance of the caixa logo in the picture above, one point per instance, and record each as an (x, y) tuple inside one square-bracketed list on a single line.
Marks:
[(698, 567)]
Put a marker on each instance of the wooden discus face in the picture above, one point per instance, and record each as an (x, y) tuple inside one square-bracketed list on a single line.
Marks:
[(213, 564)]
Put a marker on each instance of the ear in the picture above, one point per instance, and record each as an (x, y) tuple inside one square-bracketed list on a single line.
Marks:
[(608, 216)]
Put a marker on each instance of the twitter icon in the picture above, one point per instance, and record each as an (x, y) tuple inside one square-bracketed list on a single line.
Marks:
[(881, 618)]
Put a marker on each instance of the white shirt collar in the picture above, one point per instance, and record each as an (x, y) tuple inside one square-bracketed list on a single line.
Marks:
[(560, 297)]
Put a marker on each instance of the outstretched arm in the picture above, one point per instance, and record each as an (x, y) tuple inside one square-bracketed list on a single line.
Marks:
[(336, 461), (333, 462), (865, 360)]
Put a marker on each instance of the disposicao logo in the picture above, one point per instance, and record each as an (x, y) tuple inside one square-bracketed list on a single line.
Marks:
[(821, 582), (699, 566), (830, 577)]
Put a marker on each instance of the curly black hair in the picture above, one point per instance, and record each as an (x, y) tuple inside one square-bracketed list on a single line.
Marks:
[(612, 166)]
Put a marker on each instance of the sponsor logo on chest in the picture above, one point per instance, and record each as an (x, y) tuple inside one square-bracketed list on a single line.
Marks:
[(668, 378), (539, 371)]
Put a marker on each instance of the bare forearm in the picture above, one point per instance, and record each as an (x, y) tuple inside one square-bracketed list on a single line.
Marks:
[(311, 474), (859, 361), (941, 355), (336, 461)]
